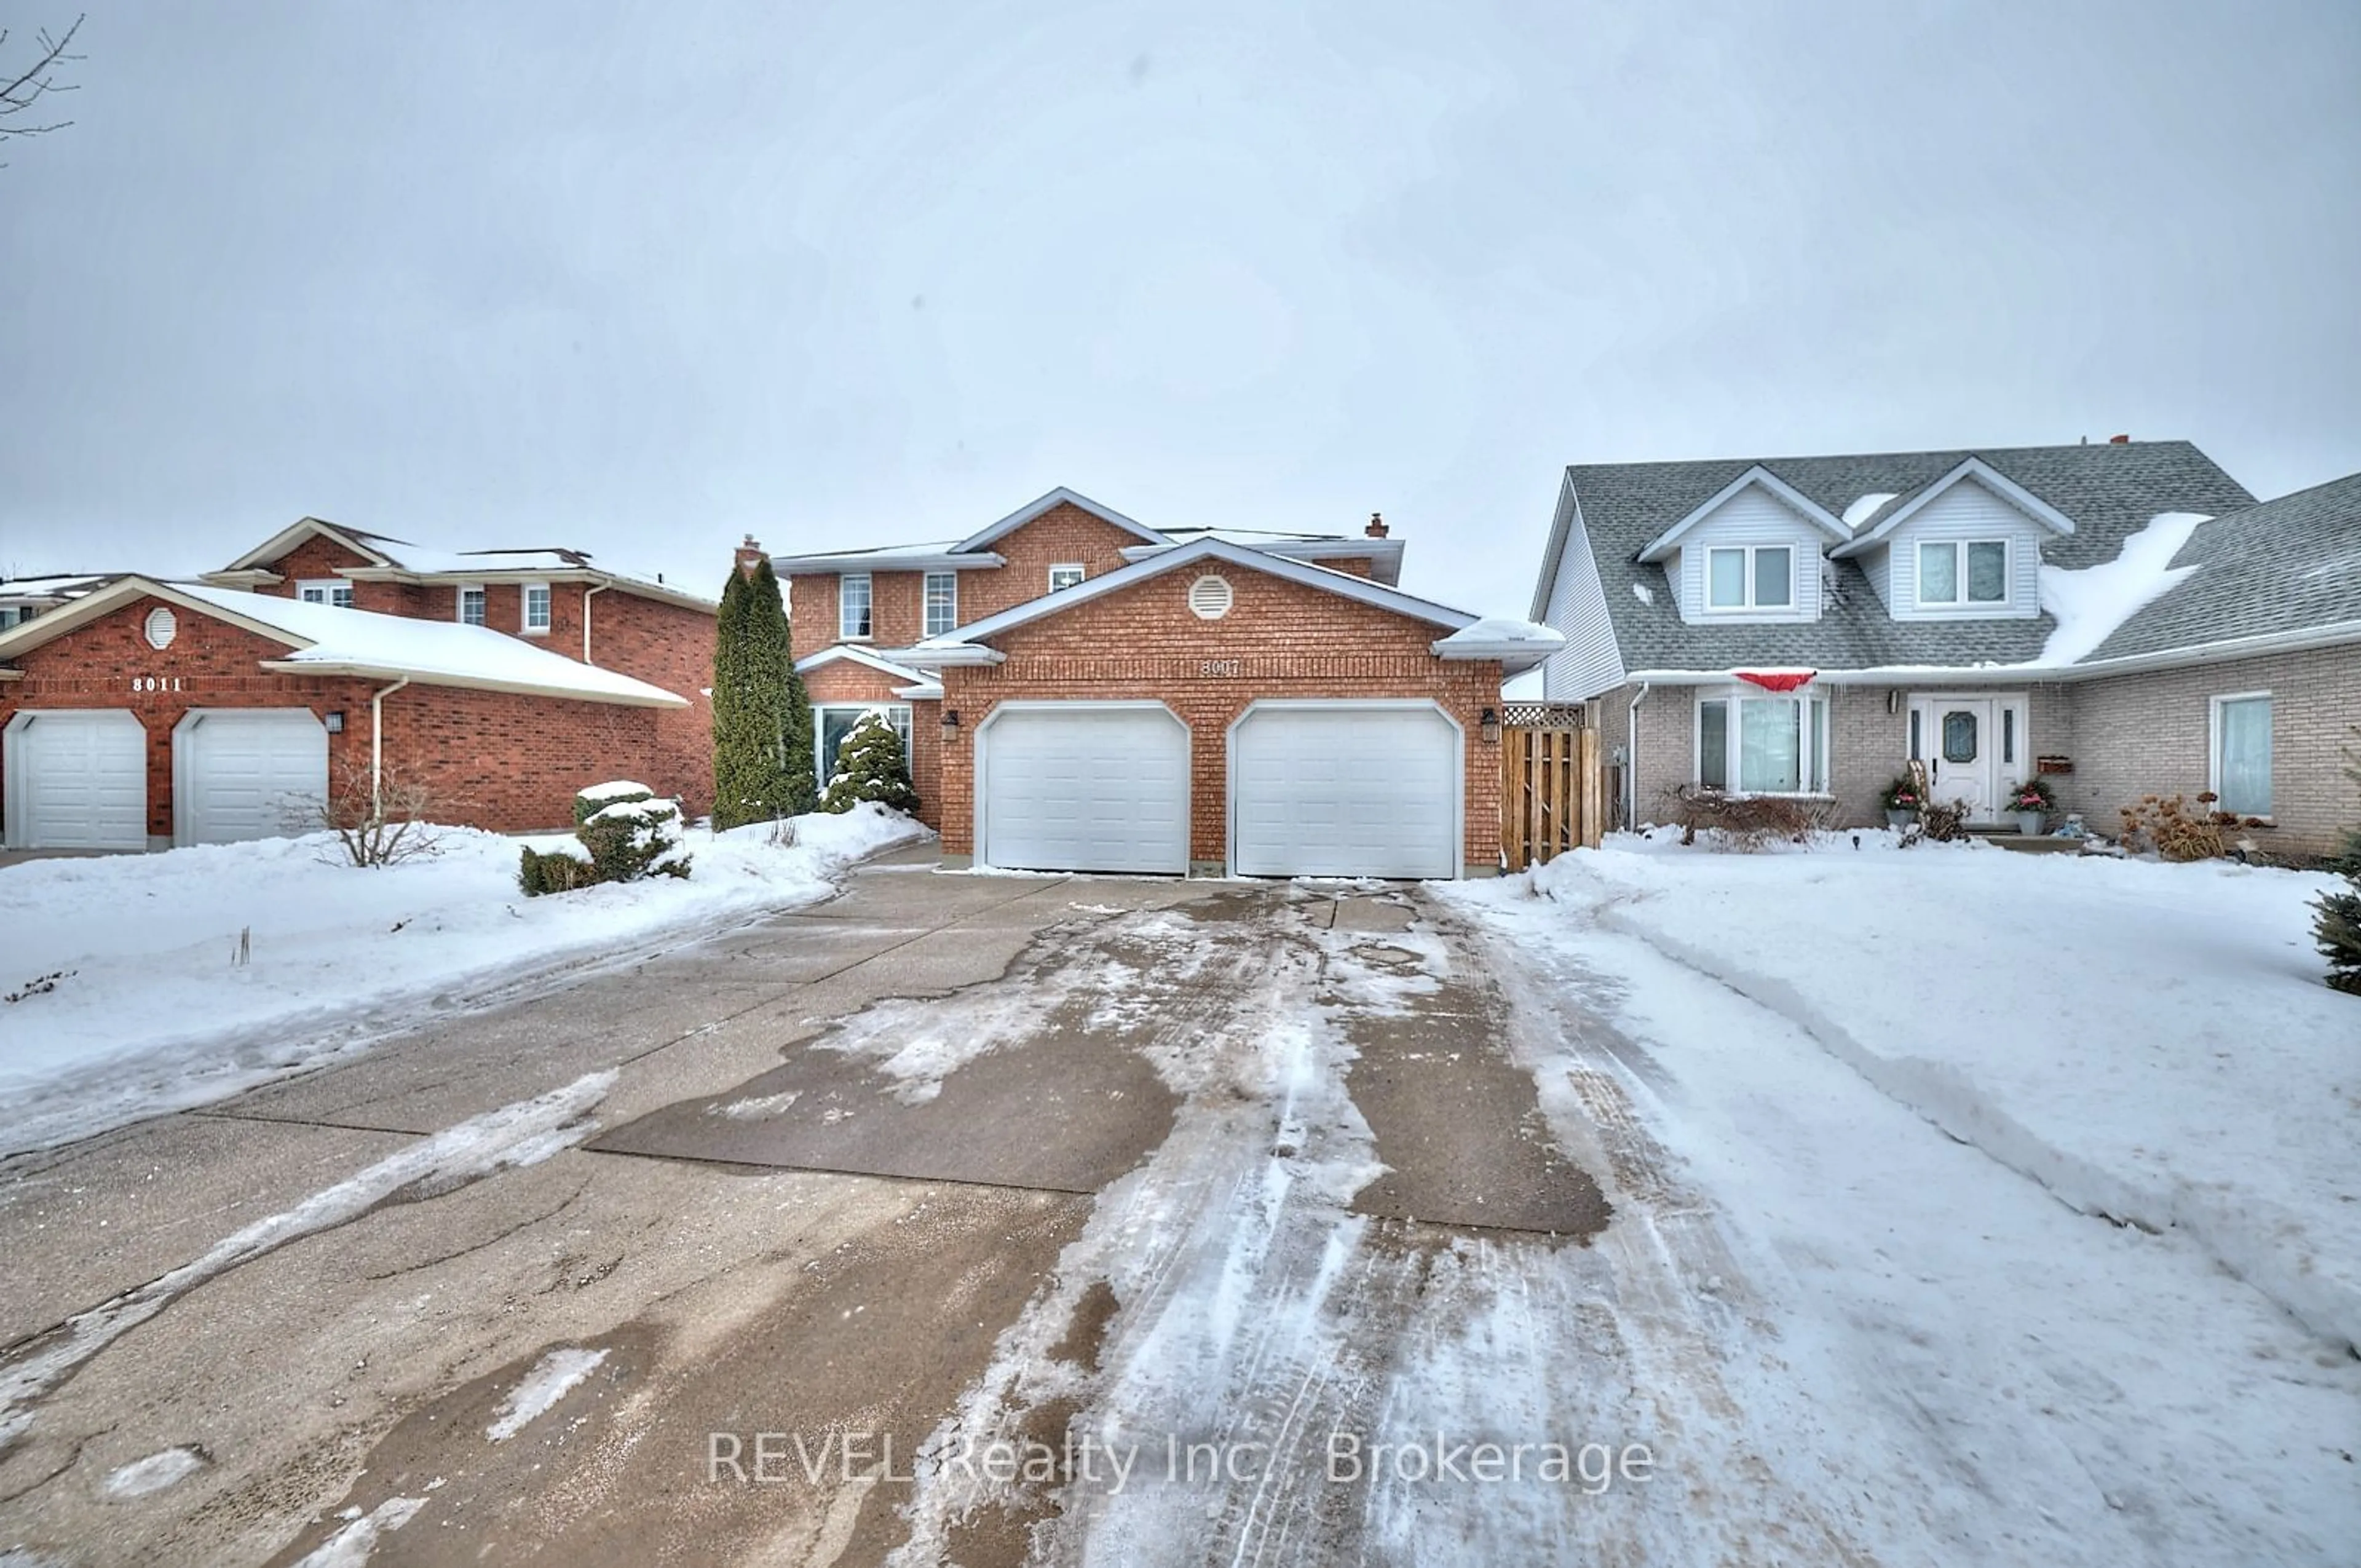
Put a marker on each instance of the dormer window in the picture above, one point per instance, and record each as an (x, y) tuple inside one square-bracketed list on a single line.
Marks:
[(1957, 572), (1753, 577)]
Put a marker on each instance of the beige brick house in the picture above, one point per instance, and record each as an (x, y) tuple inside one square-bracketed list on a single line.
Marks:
[(2121, 618), (1082, 692)]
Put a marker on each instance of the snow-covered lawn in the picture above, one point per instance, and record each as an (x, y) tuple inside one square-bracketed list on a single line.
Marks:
[(155, 1009), (2149, 1042)]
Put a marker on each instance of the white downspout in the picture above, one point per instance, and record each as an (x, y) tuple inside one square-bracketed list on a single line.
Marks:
[(377, 746), (587, 594), (1631, 762)]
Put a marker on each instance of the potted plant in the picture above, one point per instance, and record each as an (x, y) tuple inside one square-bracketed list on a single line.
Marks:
[(2031, 803), (1902, 803)]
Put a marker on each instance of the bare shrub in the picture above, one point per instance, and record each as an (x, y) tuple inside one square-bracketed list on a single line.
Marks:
[(381, 819), (1744, 822), (2168, 826)]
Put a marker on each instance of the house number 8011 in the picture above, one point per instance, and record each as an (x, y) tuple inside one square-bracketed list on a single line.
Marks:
[(155, 683)]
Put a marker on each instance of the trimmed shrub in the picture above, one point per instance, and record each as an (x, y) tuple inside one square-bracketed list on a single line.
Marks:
[(553, 871), (599, 797), (869, 766), (633, 838), (626, 834), (2336, 927)]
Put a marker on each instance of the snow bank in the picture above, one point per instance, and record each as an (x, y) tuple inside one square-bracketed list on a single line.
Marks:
[(2150, 1042), (154, 1014)]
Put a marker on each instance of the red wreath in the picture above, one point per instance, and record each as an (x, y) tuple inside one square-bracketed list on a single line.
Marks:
[(1783, 682)]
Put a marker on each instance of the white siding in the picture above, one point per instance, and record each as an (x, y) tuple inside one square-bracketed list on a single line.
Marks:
[(1752, 516), (1876, 564), (1966, 510), (1589, 662)]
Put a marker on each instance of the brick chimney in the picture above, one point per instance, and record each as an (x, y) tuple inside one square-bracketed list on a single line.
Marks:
[(750, 555), (2119, 441), (1376, 528)]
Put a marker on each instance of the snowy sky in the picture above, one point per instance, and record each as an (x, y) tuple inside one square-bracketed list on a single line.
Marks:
[(532, 274)]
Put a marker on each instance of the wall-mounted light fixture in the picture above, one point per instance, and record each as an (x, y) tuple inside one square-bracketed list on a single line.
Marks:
[(336, 722), (1489, 723), (950, 724), (1893, 699)]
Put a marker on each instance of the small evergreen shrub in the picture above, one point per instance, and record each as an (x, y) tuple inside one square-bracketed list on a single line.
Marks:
[(626, 834), (633, 838), (599, 797), (2338, 924), (869, 766), (553, 871)]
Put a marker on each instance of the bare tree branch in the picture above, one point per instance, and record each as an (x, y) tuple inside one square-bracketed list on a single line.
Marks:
[(20, 94)]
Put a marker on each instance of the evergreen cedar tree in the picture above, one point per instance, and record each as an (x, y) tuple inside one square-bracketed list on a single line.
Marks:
[(761, 716), (2337, 927), (869, 766)]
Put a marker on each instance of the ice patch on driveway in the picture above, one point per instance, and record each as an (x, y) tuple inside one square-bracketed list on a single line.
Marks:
[(553, 1377), (155, 1472), (351, 1546), (517, 1135)]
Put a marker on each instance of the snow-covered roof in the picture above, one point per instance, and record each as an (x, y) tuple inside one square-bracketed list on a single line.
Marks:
[(398, 559), (966, 646), (943, 555), (1384, 556), (325, 639), (1518, 644), (858, 655), (45, 589)]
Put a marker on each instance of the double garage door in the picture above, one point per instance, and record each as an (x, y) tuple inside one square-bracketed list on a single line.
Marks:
[(1325, 789), (77, 779)]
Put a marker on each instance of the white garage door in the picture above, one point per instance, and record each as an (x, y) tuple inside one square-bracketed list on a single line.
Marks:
[(1085, 789), (1347, 789), (77, 781), (250, 774)]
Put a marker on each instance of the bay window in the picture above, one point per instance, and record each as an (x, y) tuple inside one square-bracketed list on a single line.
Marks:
[(2242, 753), (1763, 744), (1751, 577)]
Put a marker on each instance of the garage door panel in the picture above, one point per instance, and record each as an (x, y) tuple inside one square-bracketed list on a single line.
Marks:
[(1346, 791), (78, 779), (1086, 789), (246, 774)]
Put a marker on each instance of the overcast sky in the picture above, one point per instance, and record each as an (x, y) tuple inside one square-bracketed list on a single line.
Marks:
[(640, 280)]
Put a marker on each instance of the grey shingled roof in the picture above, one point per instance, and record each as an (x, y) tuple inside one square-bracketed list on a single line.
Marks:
[(2110, 492), (2289, 564)]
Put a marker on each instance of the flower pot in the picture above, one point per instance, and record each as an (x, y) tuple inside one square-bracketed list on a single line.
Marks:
[(1898, 818), (2031, 823)]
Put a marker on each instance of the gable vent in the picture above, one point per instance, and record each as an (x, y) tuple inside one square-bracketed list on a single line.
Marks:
[(1208, 597), (161, 628)]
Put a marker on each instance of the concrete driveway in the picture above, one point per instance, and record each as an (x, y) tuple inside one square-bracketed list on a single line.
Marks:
[(769, 1249)]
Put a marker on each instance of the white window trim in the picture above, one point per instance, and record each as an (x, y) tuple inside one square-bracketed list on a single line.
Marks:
[(1959, 548), (868, 603), (2214, 751), (925, 604), (1793, 606), (524, 608), (460, 605), (329, 586), (1733, 740), (897, 714), (1081, 575)]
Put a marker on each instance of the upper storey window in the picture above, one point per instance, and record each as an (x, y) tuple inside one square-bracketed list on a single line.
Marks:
[(1753, 577), (1952, 573), (853, 606), (327, 590), (942, 603)]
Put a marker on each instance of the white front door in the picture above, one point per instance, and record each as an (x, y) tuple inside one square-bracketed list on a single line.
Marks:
[(245, 773), (1083, 786), (1975, 749), (76, 780), (1347, 789)]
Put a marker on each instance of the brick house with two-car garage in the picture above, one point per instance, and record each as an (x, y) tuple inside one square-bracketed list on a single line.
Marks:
[(1100, 695), (148, 714)]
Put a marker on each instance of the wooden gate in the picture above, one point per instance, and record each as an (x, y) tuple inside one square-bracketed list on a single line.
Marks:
[(1552, 795)]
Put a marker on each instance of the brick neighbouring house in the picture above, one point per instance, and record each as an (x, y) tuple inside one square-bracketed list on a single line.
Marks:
[(2122, 617), (138, 713), (1084, 692)]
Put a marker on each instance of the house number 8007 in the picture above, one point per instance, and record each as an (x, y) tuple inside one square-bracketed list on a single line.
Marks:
[(155, 683), (1219, 667)]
